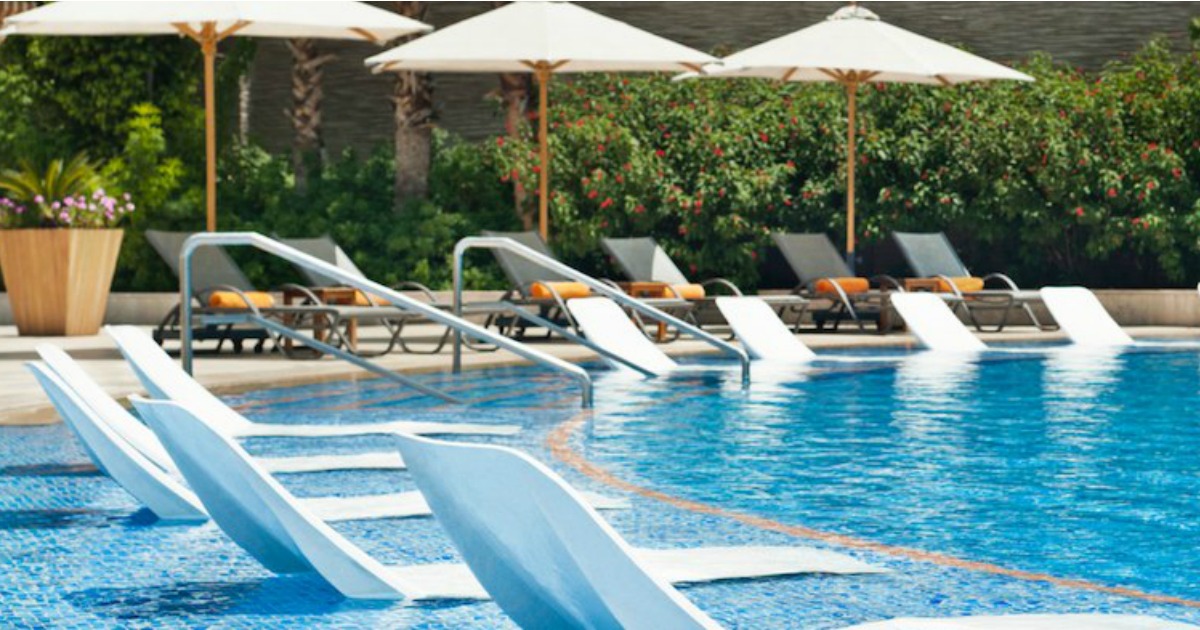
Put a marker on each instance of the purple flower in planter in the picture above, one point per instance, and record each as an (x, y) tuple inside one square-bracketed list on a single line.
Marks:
[(127, 197), (70, 202), (130, 207), (38, 199), (65, 217), (20, 210)]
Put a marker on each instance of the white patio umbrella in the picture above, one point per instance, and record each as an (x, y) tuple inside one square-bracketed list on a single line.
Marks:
[(851, 47), (543, 38), (208, 23)]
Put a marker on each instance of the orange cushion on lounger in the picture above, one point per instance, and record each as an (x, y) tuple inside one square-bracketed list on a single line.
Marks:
[(849, 285), (565, 290), (965, 285), (685, 291), (229, 299), (362, 299)]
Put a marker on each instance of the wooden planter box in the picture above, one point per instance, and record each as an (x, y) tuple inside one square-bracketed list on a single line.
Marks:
[(58, 279)]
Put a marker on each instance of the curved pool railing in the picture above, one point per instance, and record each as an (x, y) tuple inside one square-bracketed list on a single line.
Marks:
[(395, 298), (550, 264)]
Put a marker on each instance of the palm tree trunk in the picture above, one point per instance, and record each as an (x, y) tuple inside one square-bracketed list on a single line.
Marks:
[(412, 102), (517, 95), (308, 147)]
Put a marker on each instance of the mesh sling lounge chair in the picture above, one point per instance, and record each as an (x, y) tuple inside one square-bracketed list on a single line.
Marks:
[(221, 288), (930, 255), (150, 475), (533, 286), (163, 379), (326, 249), (824, 275), (550, 562), (642, 259), (284, 534)]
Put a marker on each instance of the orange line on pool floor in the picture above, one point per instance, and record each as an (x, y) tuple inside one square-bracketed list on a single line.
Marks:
[(559, 443)]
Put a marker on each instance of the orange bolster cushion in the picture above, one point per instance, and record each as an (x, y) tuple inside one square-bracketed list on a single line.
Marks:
[(684, 291), (362, 299), (229, 299), (565, 290), (849, 285), (965, 285)]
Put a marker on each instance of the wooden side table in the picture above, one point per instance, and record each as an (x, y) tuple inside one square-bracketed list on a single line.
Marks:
[(929, 285), (648, 290), (334, 296)]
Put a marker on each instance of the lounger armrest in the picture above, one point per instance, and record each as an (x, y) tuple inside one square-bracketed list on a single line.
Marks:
[(303, 290), (412, 285), (950, 283), (887, 283), (611, 283), (724, 283), (1008, 282)]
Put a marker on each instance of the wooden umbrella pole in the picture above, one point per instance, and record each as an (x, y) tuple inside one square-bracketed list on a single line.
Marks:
[(852, 97), (208, 45), (543, 79)]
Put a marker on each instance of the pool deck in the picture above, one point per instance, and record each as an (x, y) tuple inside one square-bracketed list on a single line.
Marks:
[(22, 401)]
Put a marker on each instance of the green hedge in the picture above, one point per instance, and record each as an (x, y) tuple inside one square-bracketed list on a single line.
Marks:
[(1077, 177)]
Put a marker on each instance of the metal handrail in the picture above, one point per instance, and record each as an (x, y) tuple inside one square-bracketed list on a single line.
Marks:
[(397, 299), (509, 245)]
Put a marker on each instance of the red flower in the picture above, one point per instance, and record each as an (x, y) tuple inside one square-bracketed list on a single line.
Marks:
[(699, 203), (1152, 146), (791, 164), (660, 153), (600, 148), (500, 141), (1079, 211), (683, 230), (1151, 185), (592, 194), (639, 209), (1177, 172), (762, 135), (718, 152), (606, 203), (1112, 192)]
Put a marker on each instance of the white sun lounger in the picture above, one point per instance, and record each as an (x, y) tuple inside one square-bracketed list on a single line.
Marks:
[(550, 562), (286, 536), (166, 380), (766, 338), (155, 485), (934, 324), (142, 438), (606, 325), (1083, 318)]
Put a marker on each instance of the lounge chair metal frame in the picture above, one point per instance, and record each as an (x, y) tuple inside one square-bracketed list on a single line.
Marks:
[(944, 264), (325, 248), (197, 242), (510, 314), (596, 286), (824, 264), (625, 251)]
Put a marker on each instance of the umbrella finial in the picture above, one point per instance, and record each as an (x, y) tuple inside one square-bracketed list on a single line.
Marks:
[(853, 12)]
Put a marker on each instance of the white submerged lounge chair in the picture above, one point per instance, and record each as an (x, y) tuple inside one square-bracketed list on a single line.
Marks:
[(166, 380), (140, 464), (285, 536), (551, 562), (934, 324), (766, 338), (106, 410), (1083, 317), (605, 324)]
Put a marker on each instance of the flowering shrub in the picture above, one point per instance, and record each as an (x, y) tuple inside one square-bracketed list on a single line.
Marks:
[(1080, 176), (66, 194)]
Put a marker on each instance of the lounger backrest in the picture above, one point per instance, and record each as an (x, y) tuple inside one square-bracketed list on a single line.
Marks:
[(105, 408), (149, 484), (930, 254), (1081, 315), (541, 552), (642, 260), (761, 332), (258, 513), (165, 380), (211, 266), (606, 325), (326, 249), (523, 272), (934, 324), (812, 256)]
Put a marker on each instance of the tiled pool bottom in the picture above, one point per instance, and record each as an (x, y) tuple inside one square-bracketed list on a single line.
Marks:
[(77, 551)]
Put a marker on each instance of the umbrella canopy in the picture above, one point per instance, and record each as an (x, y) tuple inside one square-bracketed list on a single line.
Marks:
[(851, 47), (543, 38), (210, 22)]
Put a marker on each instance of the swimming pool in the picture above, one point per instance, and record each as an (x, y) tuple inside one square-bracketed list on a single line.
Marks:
[(1067, 483)]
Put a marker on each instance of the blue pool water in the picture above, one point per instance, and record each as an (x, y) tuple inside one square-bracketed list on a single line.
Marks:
[(1079, 466)]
